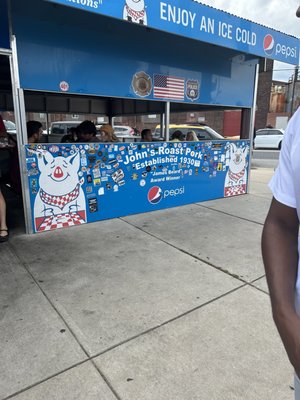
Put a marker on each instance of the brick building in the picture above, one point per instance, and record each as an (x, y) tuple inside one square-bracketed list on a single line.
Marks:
[(263, 92)]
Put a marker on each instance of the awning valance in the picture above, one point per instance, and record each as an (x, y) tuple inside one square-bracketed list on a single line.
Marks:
[(197, 21)]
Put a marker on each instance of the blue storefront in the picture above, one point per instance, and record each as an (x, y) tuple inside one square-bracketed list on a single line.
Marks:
[(145, 52)]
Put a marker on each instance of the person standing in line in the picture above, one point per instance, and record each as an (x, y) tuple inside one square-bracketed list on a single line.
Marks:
[(3, 227), (146, 135), (34, 134), (191, 137), (86, 132), (177, 136), (280, 246), (70, 137), (108, 134)]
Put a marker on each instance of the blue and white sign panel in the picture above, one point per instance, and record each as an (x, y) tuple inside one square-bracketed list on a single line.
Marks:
[(114, 59), (73, 184), (197, 21)]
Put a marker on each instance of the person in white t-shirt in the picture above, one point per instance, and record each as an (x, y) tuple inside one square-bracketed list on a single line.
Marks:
[(280, 247)]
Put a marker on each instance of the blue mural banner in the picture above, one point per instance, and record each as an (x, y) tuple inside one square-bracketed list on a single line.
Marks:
[(73, 184), (4, 26), (197, 21)]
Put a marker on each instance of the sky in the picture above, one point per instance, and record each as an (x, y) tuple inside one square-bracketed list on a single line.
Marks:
[(276, 14)]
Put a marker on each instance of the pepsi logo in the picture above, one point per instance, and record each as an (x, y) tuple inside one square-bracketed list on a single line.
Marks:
[(155, 195), (269, 44)]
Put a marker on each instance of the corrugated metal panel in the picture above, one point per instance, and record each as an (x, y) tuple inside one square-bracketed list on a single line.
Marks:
[(245, 19)]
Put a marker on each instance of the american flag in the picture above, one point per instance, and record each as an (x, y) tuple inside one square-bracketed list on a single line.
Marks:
[(169, 87)]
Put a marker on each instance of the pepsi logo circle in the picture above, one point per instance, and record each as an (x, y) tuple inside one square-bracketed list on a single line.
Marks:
[(155, 195), (269, 44)]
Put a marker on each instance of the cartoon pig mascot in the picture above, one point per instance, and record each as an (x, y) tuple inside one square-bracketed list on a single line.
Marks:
[(236, 177), (134, 11), (60, 200)]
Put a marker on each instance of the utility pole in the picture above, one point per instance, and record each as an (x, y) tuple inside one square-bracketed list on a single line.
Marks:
[(293, 88)]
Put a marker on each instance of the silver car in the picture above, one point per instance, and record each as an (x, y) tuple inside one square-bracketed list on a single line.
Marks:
[(123, 130)]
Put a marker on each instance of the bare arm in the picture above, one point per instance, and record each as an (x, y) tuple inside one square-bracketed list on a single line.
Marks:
[(280, 255)]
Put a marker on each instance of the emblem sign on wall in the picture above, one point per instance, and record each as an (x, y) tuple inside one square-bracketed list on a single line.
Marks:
[(72, 184), (165, 87)]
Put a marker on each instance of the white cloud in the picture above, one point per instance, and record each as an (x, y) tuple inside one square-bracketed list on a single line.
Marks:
[(282, 72)]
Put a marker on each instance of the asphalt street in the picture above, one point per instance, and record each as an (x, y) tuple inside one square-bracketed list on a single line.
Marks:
[(265, 158)]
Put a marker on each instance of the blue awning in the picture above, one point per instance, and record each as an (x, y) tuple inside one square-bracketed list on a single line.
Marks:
[(4, 27), (61, 49), (197, 21)]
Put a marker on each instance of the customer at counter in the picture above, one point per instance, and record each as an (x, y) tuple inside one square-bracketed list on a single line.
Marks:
[(108, 134), (3, 226), (177, 136), (86, 132), (34, 134), (7, 143), (34, 131), (70, 137), (191, 137), (146, 135)]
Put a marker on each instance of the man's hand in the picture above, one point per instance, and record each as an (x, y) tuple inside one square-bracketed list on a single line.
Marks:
[(289, 330)]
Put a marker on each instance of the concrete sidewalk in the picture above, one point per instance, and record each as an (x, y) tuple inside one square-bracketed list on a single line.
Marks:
[(168, 305)]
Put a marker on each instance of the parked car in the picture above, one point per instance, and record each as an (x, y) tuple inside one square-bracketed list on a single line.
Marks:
[(123, 130), (203, 132), (60, 128), (268, 138)]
